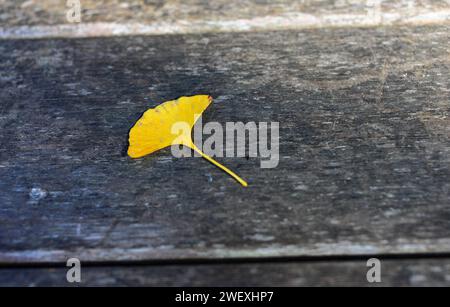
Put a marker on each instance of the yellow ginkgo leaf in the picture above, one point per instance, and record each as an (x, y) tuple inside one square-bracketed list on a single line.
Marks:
[(153, 131)]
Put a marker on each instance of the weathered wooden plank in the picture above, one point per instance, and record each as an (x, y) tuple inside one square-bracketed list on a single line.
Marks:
[(290, 274), (364, 146), (51, 12), (47, 18)]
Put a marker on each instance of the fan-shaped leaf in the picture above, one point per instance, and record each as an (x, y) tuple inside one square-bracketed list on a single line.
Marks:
[(153, 131)]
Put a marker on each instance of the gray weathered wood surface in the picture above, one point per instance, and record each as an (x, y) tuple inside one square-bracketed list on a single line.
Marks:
[(364, 146), (403, 273), (48, 18), (53, 12)]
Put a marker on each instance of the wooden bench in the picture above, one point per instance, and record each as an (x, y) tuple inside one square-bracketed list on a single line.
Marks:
[(364, 147)]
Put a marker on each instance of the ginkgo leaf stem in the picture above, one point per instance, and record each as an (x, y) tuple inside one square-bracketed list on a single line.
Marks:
[(225, 169)]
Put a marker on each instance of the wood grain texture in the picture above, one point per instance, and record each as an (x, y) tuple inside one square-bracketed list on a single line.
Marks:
[(399, 273), (53, 12), (47, 18), (364, 146)]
